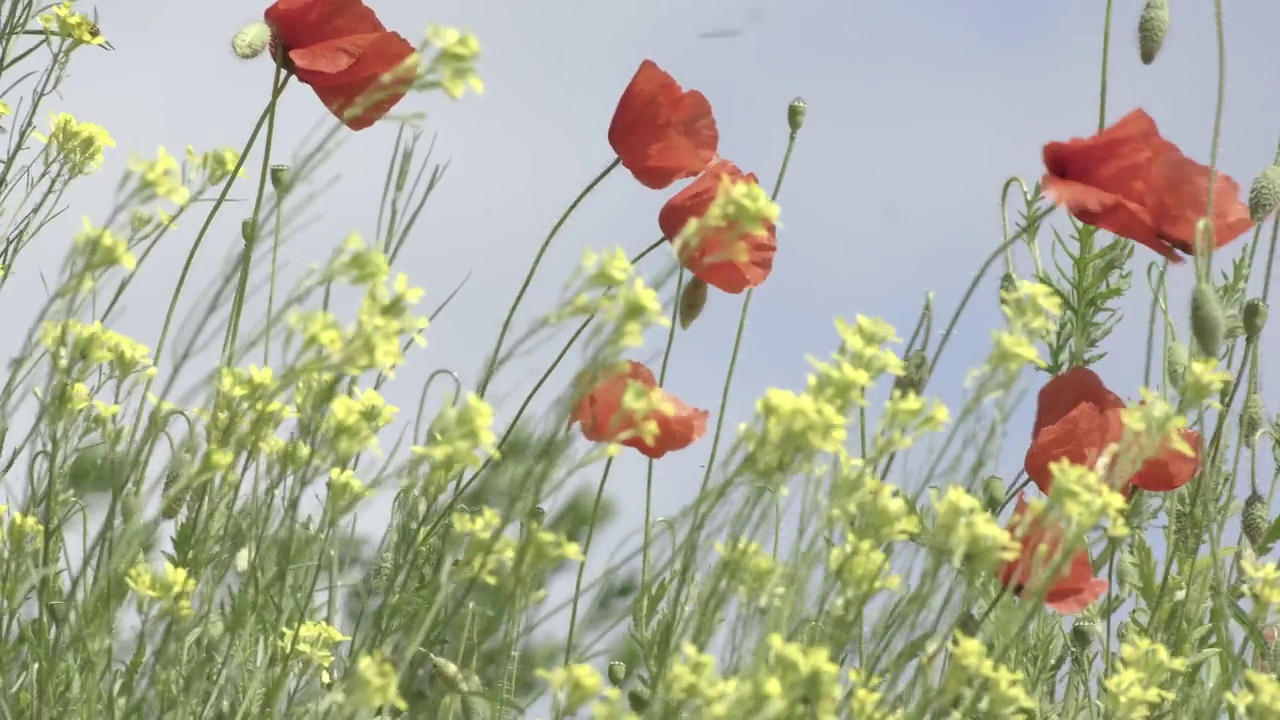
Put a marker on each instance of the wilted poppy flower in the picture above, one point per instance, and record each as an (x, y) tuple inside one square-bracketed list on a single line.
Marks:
[(1129, 180), (604, 418), (661, 132), (1077, 418), (1074, 587), (721, 257), (342, 51)]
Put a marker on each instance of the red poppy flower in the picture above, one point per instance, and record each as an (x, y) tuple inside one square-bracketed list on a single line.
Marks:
[(342, 51), (603, 418), (723, 258), (1077, 418), (1072, 590), (1129, 180), (661, 132)]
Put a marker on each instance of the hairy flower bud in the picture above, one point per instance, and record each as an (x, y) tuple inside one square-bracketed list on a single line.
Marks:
[(915, 373), (1253, 519), (251, 40), (1255, 318), (1153, 27), (692, 300), (1264, 193), (638, 699), (1208, 323), (1251, 420)]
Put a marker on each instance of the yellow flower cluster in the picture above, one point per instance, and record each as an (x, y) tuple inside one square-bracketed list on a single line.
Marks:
[(1138, 684)]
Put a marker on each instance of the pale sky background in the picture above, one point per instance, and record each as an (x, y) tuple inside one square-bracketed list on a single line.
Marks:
[(918, 112)]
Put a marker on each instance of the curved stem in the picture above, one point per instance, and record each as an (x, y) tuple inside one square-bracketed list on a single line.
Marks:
[(586, 553), (491, 367)]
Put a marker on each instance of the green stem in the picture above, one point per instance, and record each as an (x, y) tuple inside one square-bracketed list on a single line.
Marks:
[(586, 553), (491, 368)]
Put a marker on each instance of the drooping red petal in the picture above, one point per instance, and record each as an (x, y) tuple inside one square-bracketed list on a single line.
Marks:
[(1131, 181), (1170, 469), (1177, 196), (602, 418), (1072, 590), (727, 260), (1065, 392), (661, 132), (302, 23), (347, 73), (1080, 437)]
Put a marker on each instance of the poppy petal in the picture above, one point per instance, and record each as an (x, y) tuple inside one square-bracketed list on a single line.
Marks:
[(347, 75), (1170, 469), (302, 23), (1178, 191), (661, 132), (1068, 390)]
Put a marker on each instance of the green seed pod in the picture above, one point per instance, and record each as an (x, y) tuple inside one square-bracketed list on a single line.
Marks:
[(1208, 323), (279, 175), (915, 373), (1255, 318), (1264, 193), (692, 300), (796, 112), (1153, 28), (993, 492), (1251, 420), (251, 40), (1254, 520), (1083, 633), (248, 231), (1008, 283), (638, 699), (617, 673), (1177, 357)]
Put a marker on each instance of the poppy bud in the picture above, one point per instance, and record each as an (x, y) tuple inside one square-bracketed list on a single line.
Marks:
[(915, 373), (1177, 356), (1251, 420), (617, 673), (1208, 324), (1255, 318), (796, 112), (993, 489), (1008, 283), (251, 40), (692, 300), (1228, 385), (279, 175), (247, 231), (1264, 193), (1153, 27), (1253, 519), (1083, 633), (638, 699)]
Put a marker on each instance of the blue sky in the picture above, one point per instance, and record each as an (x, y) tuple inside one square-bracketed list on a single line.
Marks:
[(917, 113)]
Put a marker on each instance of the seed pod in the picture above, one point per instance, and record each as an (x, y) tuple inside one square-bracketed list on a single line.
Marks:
[(1251, 420), (1208, 324), (1264, 193), (617, 673), (692, 300), (1177, 357), (280, 177), (993, 490), (1253, 520), (638, 699), (1153, 28), (915, 373), (1083, 633), (796, 112), (1255, 318)]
